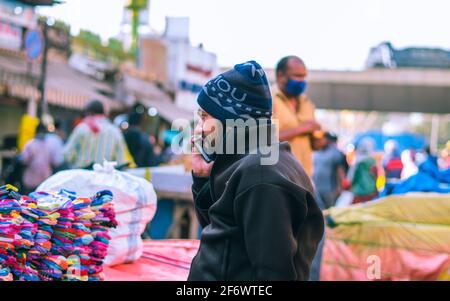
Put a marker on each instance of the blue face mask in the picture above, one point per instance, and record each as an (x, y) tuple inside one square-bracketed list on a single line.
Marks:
[(295, 88)]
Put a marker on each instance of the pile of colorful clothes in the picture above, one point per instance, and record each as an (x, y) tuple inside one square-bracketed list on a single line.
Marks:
[(54, 236)]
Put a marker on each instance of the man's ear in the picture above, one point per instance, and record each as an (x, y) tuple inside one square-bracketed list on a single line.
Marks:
[(279, 75), (281, 78)]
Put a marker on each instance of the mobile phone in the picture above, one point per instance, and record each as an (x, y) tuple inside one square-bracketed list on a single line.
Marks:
[(199, 147)]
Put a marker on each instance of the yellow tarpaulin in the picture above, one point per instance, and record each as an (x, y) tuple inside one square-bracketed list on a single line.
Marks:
[(409, 233)]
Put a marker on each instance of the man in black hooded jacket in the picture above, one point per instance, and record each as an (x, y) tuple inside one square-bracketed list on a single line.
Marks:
[(260, 221)]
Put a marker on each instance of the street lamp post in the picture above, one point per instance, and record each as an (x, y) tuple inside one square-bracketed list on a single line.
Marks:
[(41, 85)]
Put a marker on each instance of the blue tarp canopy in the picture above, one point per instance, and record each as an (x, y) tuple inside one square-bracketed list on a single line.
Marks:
[(404, 140)]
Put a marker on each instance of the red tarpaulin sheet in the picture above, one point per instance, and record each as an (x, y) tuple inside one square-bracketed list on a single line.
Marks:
[(169, 260), (342, 262), (162, 260)]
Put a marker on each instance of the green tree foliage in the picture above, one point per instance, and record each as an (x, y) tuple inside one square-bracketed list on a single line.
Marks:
[(112, 52)]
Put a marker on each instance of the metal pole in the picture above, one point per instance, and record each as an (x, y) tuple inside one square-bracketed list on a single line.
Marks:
[(434, 139), (41, 86), (134, 30)]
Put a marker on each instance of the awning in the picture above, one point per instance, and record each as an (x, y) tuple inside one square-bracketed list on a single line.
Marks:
[(68, 88), (168, 110), (147, 93), (64, 86)]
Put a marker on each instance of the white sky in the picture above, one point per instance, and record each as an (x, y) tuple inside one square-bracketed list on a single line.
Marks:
[(327, 34)]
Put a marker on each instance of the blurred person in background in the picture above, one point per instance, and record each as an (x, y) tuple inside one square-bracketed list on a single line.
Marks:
[(409, 165), (12, 168), (427, 178), (138, 142), (444, 162), (38, 159), (330, 168), (55, 141), (363, 174), (95, 139), (167, 155), (293, 111), (432, 157), (59, 130), (392, 162)]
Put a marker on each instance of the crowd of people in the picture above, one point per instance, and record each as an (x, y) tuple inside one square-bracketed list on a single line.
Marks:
[(94, 139), (372, 174), (312, 170)]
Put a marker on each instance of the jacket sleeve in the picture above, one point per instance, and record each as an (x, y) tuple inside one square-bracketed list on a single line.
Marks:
[(270, 217), (202, 199)]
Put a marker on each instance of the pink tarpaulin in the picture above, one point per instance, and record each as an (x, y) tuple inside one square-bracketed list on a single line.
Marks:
[(342, 261), (169, 260), (162, 260)]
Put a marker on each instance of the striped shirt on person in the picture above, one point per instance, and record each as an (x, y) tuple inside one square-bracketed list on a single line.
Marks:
[(94, 140)]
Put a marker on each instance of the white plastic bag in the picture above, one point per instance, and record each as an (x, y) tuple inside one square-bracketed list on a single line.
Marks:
[(134, 203)]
